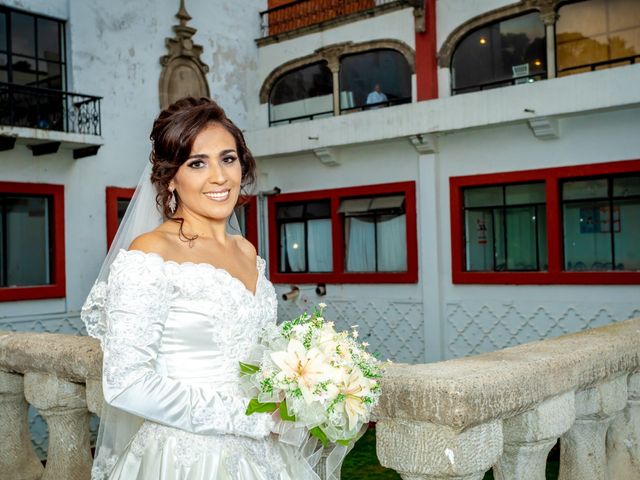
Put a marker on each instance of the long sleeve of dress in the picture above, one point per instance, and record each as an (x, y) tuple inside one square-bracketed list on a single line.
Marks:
[(137, 306)]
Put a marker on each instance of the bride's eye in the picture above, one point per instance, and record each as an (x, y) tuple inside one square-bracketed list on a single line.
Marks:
[(196, 164), (229, 159)]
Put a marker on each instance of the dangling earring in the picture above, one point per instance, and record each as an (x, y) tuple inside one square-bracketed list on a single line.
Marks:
[(172, 202)]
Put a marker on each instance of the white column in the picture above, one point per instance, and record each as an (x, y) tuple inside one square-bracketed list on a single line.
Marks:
[(549, 19), (17, 458), (529, 437), (582, 448), (430, 268), (428, 451), (63, 405)]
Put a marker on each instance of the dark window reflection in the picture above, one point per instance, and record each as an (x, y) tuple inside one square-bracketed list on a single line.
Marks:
[(25, 246), (31, 55), (503, 53), (597, 34), (374, 79), (302, 94)]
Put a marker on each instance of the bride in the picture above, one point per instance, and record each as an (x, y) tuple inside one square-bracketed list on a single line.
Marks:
[(178, 309)]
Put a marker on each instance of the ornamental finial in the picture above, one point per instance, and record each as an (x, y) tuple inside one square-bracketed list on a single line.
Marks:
[(182, 14)]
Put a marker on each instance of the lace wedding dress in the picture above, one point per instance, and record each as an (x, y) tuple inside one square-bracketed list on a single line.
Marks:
[(175, 334)]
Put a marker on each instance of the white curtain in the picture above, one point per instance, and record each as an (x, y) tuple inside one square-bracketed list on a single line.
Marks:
[(320, 245), (360, 245), (392, 244), (292, 247)]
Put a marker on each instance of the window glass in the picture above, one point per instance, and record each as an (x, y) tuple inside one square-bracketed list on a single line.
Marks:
[(585, 189), (587, 241), (375, 234), (23, 34), (626, 186), (122, 205), (601, 229), (373, 79), (48, 40), (594, 31), (503, 53), (3, 31), (302, 94), (305, 238), (24, 71), (626, 235), (483, 196), (26, 257), (525, 193), (49, 75), (4, 74), (506, 237)]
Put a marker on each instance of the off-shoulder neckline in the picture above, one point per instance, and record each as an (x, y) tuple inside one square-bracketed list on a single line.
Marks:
[(259, 265)]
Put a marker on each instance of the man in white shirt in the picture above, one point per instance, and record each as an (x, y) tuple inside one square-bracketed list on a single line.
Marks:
[(376, 96)]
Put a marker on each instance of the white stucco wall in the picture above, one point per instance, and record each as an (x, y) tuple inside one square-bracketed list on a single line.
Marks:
[(113, 52)]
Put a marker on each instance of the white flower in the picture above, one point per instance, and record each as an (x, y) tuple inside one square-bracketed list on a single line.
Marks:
[(306, 366), (352, 388), (354, 333), (322, 305)]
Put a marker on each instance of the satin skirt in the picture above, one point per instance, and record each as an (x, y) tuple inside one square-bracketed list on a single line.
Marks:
[(158, 452)]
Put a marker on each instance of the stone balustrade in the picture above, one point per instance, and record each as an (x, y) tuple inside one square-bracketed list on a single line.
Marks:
[(506, 409), (449, 420)]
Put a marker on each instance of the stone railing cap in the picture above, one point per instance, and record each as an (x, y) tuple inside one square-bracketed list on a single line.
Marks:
[(468, 391)]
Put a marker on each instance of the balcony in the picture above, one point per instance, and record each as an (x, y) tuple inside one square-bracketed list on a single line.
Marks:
[(44, 120), (300, 17), (455, 419)]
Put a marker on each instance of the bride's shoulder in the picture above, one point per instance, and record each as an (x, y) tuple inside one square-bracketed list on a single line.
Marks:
[(246, 247), (156, 241)]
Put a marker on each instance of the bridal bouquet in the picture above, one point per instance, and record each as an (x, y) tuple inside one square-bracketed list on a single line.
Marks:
[(316, 377)]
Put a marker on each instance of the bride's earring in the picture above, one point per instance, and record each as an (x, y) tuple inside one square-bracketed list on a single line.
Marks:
[(172, 202)]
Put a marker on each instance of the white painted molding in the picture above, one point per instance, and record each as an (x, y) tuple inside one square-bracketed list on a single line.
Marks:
[(327, 156), (424, 143), (545, 128)]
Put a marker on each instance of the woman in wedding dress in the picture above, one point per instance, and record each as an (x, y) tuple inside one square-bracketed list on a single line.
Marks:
[(178, 309)]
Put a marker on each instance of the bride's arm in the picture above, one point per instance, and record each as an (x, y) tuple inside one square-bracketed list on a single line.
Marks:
[(136, 309)]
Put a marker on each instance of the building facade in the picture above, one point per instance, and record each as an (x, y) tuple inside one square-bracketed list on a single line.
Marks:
[(452, 176)]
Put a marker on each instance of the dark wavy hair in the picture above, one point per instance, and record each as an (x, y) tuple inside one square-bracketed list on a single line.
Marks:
[(172, 137)]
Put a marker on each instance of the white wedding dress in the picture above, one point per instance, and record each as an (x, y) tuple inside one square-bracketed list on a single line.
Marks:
[(175, 334)]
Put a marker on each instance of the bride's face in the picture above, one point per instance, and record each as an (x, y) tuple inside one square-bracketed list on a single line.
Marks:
[(208, 183)]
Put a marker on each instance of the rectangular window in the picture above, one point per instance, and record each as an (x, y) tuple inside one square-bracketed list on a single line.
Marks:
[(117, 202), (505, 228), (32, 50), (375, 234), (364, 234), (305, 237), (31, 241), (565, 225), (594, 214)]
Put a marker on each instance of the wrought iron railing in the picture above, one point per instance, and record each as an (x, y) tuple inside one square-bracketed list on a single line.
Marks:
[(42, 108), (534, 77), (303, 13), (591, 67), (284, 121)]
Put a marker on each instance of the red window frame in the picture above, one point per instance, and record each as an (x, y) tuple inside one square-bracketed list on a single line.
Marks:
[(113, 195), (338, 275), (555, 273), (250, 204), (57, 288)]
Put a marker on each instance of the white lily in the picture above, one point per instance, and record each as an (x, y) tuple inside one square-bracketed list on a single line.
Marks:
[(308, 367), (352, 387)]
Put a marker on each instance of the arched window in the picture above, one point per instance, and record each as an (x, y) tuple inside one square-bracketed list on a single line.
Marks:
[(597, 34), (503, 53), (302, 94), (373, 79)]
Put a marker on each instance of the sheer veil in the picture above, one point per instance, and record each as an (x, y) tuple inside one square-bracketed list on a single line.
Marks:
[(117, 427)]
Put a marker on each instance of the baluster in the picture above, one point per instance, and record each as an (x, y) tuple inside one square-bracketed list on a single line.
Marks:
[(427, 451), (582, 448), (529, 437), (63, 405), (18, 461), (623, 439)]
